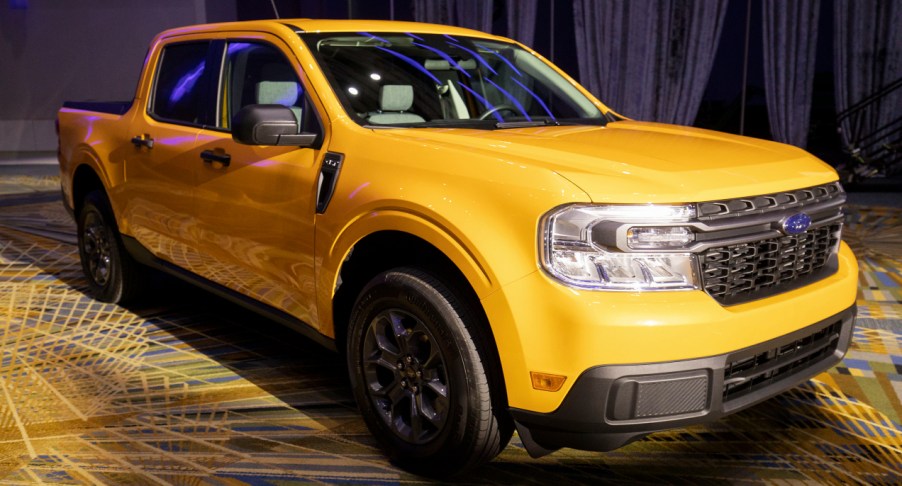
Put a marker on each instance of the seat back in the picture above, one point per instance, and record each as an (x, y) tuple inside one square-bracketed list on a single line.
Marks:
[(394, 101), (283, 93)]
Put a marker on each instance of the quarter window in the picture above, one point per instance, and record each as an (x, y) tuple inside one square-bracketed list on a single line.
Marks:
[(179, 88)]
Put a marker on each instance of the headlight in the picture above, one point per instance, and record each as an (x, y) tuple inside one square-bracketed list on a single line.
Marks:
[(583, 245), (658, 238)]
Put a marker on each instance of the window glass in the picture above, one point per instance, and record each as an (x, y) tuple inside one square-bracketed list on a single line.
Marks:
[(179, 90), (439, 80), (258, 73)]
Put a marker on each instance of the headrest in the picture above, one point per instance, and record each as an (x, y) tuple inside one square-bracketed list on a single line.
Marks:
[(437, 64), (283, 93), (444, 65), (396, 97)]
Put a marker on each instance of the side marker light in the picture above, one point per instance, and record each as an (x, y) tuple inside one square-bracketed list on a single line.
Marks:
[(546, 381)]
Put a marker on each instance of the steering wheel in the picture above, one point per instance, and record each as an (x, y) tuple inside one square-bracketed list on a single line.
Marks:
[(495, 109)]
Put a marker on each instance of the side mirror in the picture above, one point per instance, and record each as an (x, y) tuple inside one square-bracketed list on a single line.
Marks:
[(269, 125)]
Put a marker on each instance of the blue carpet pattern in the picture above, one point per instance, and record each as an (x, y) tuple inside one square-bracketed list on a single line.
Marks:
[(197, 391)]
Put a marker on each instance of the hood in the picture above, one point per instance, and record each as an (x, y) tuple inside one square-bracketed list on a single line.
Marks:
[(641, 162)]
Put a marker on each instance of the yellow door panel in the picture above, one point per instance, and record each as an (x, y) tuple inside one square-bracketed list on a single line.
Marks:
[(256, 222), (160, 182)]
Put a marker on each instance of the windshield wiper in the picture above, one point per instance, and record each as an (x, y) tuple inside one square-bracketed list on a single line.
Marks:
[(438, 123), (527, 123)]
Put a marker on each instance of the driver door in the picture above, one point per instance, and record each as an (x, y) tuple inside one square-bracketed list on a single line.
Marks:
[(256, 204)]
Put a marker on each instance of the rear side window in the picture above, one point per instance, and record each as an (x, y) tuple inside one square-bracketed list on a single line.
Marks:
[(180, 87)]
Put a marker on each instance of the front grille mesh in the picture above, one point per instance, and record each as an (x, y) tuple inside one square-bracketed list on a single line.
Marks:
[(755, 372), (738, 273)]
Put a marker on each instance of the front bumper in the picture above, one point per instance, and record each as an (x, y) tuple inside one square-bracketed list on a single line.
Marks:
[(610, 406)]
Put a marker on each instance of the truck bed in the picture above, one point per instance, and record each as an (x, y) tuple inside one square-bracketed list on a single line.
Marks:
[(111, 107)]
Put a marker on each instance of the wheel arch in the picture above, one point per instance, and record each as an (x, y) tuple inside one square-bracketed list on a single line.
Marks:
[(85, 179), (383, 250), (84, 167)]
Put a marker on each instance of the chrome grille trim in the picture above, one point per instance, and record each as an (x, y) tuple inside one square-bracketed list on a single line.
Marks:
[(778, 201)]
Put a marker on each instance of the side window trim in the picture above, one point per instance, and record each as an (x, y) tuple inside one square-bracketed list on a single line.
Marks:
[(217, 58)]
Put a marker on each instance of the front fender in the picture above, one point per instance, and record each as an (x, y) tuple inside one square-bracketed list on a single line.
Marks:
[(449, 241)]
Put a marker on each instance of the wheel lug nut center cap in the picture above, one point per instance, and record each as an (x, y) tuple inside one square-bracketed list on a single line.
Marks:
[(410, 372)]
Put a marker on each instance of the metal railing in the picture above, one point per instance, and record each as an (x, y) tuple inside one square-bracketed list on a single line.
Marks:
[(875, 148)]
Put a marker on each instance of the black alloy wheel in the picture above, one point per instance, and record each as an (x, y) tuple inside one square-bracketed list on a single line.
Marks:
[(425, 376), (97, 248), (405, 376)]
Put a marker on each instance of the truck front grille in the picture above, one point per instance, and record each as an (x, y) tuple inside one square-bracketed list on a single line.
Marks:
[(766, 203), (741, 272), (745, 375)]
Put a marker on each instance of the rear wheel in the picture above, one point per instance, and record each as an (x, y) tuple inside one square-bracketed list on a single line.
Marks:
[(112, 274), (418, 364)]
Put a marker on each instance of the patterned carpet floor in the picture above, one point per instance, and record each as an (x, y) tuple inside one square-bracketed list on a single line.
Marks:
[(198, 391)]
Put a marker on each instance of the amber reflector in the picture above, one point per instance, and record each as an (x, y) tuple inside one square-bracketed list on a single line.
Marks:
[(546, 382)]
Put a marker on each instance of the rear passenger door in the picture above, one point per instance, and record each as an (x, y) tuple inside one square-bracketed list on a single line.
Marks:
[(255, 204), (159, 162)]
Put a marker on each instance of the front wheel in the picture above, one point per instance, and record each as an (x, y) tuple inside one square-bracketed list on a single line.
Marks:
[(418, 367)]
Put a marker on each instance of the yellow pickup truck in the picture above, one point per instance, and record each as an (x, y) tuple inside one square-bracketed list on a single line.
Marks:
[(490, 246)]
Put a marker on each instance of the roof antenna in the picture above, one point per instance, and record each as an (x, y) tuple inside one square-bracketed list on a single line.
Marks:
[(274, 9)]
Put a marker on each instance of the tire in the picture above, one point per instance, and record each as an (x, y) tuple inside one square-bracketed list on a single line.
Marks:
[(420, 372), (112, 274)]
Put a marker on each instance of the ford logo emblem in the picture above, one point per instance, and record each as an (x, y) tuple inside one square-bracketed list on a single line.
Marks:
[(797, 223)]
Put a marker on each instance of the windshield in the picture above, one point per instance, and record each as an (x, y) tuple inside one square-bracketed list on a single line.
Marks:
[(423, 80)]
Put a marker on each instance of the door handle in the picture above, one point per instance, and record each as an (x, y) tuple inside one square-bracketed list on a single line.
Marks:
[(143, 140), (216, 156)]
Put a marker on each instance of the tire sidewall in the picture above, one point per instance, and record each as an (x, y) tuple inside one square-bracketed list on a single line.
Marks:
[(399, 290), (111, 291)]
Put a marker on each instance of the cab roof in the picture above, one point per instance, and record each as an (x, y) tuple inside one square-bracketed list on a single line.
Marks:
[(323, 25), (320, 25)]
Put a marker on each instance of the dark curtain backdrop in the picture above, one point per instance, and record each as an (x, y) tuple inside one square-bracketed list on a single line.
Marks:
[(868, 57), (648, 59), (521, 20), (790, 40), (473, 14), (432, 11)]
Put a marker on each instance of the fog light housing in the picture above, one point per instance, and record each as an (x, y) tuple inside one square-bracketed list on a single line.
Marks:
[(665, 395)]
